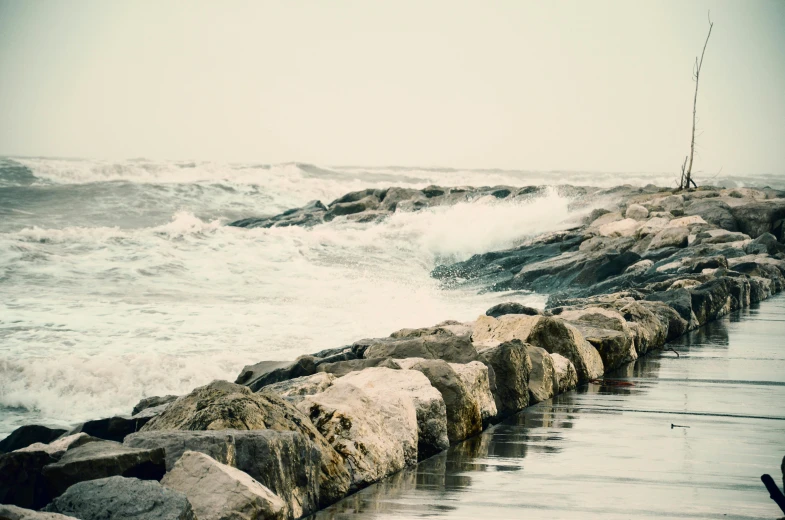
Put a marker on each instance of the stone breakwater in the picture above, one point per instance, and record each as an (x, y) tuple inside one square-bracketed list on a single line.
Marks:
[(288, 438)]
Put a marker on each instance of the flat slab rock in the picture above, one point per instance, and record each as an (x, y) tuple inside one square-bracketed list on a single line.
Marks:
[(121, 498)]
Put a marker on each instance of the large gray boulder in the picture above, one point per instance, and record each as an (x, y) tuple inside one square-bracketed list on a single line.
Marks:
[(121, 498), (384, 383), (266, 373), (713, 211), (285, 462), (112, 428), (8, 512), (221, 405), (542, 375), (510, 365), (102, 459), (464, 416), (220, 492), (375, 437)]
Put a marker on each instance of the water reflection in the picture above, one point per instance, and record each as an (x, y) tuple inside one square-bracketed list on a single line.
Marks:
[(608, 450)]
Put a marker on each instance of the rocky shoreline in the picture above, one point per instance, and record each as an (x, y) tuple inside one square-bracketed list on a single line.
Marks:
[(289, 438)]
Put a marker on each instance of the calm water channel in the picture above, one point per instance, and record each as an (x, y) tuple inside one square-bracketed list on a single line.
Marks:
[(610, 452)]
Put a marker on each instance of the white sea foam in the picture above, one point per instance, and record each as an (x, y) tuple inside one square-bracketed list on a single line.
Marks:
[(94, 318)]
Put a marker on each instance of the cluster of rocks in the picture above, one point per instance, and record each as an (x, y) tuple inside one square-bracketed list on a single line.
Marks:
[(374, 204), (288, 438)]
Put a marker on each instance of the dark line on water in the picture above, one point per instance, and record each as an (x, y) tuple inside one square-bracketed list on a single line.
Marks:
[(574, 409)]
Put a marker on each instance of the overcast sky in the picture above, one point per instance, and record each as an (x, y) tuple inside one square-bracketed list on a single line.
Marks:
[(576, 85)]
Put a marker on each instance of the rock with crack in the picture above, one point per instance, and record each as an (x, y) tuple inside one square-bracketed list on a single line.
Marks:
[(374, 437), (450, 348), (477, 382), (565, 378), (294, 390), (221, 405), (542, 374), (510, 366), (286, 462), (382, 383), (101, 459), (552, 334), (220, 492), (464, 416), (122, 498), (27, 435)]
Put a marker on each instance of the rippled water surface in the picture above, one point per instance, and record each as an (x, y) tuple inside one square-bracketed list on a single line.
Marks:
[(689, 438)]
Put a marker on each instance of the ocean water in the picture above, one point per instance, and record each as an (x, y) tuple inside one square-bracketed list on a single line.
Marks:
[(120, 280)]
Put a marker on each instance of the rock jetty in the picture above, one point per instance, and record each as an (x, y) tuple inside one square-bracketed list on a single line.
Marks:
[(285, 439)]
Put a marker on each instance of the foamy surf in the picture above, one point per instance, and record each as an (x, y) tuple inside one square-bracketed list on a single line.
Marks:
[(96, 318)]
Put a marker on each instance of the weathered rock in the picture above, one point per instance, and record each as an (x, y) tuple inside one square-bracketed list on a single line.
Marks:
[(286, 462), (102, 459), (446, 328), (27, 435), (220, 492), (766, 243), (454, 349), (152, 402), (341, 368), (679, 299), (21, 481), (637, 212), (375, 437), (541, 376), (648, 329), (670, 237), (711, 300), (511, 308), (396, 195), (715, 212), (757, 218), (295, 389), (112, 428), (652, 226), (222, 405), (252, 372), (217, 444), (122, 499), (292, 466), (616, 348), (619, 228), (475, 378), (464, 418), (349, 208), (565, 378), (686, 221), (382, 383), (552, 334), (17, 513), (302, 366), (510, 365), (58, 447)]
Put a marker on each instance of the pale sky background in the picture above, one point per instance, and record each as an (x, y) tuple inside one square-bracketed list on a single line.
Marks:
[(570, 85)]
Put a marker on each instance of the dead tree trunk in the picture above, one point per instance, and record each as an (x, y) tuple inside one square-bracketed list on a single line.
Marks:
[(687, 176)]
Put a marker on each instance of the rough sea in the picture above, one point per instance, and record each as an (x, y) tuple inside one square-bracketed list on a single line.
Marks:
[(120, 280)]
